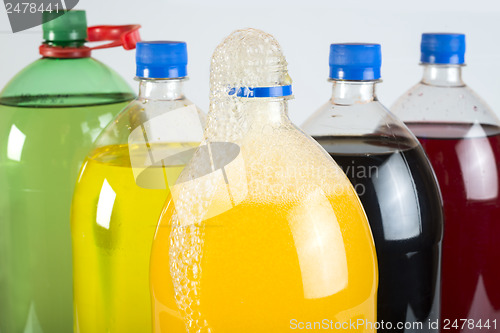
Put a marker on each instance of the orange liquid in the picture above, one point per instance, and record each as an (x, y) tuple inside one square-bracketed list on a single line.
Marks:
[(262, 264)]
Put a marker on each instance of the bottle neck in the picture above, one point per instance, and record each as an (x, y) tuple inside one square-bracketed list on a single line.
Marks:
[(265, 111), (443, 75), (72, 43), (163, 89), (352, 92), (246, 116)]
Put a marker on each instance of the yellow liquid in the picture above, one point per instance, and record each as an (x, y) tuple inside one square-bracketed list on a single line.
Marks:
[(112, 224), (266, 266)]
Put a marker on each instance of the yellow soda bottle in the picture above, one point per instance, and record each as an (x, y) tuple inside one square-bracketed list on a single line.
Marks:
[(262, 231), (121, 190)]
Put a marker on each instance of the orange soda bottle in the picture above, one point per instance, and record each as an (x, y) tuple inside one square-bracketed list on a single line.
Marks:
[(262, 231)]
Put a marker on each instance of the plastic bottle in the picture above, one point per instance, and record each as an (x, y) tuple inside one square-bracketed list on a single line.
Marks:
[(50, 113), (122, 188), (262, 232), (461, 136), (395, 182)]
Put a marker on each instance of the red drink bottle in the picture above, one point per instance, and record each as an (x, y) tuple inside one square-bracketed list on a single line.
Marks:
[(461, 136)]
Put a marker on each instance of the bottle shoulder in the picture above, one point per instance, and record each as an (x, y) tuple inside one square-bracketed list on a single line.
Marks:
[(460, 104), (69, 82), (282, 162), (370, 119), (155, 122)]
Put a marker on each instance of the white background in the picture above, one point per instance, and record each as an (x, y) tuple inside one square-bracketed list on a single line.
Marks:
[(304, 29)]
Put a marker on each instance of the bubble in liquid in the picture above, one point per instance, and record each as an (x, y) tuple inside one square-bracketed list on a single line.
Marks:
[(247, 58)]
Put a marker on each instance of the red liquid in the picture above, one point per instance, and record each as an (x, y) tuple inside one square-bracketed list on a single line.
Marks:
[(466, 160)]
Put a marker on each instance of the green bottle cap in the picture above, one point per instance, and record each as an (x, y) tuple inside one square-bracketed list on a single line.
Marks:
[(70, 26)]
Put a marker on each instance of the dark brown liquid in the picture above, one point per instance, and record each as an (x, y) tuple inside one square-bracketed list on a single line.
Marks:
[(401, 198)]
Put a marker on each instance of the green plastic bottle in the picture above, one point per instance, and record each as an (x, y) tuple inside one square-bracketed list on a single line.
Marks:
[(50, 114)]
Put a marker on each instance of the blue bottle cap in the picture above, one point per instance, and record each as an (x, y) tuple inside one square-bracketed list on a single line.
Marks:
[(442, 48), (161, 59), (355, 61)]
